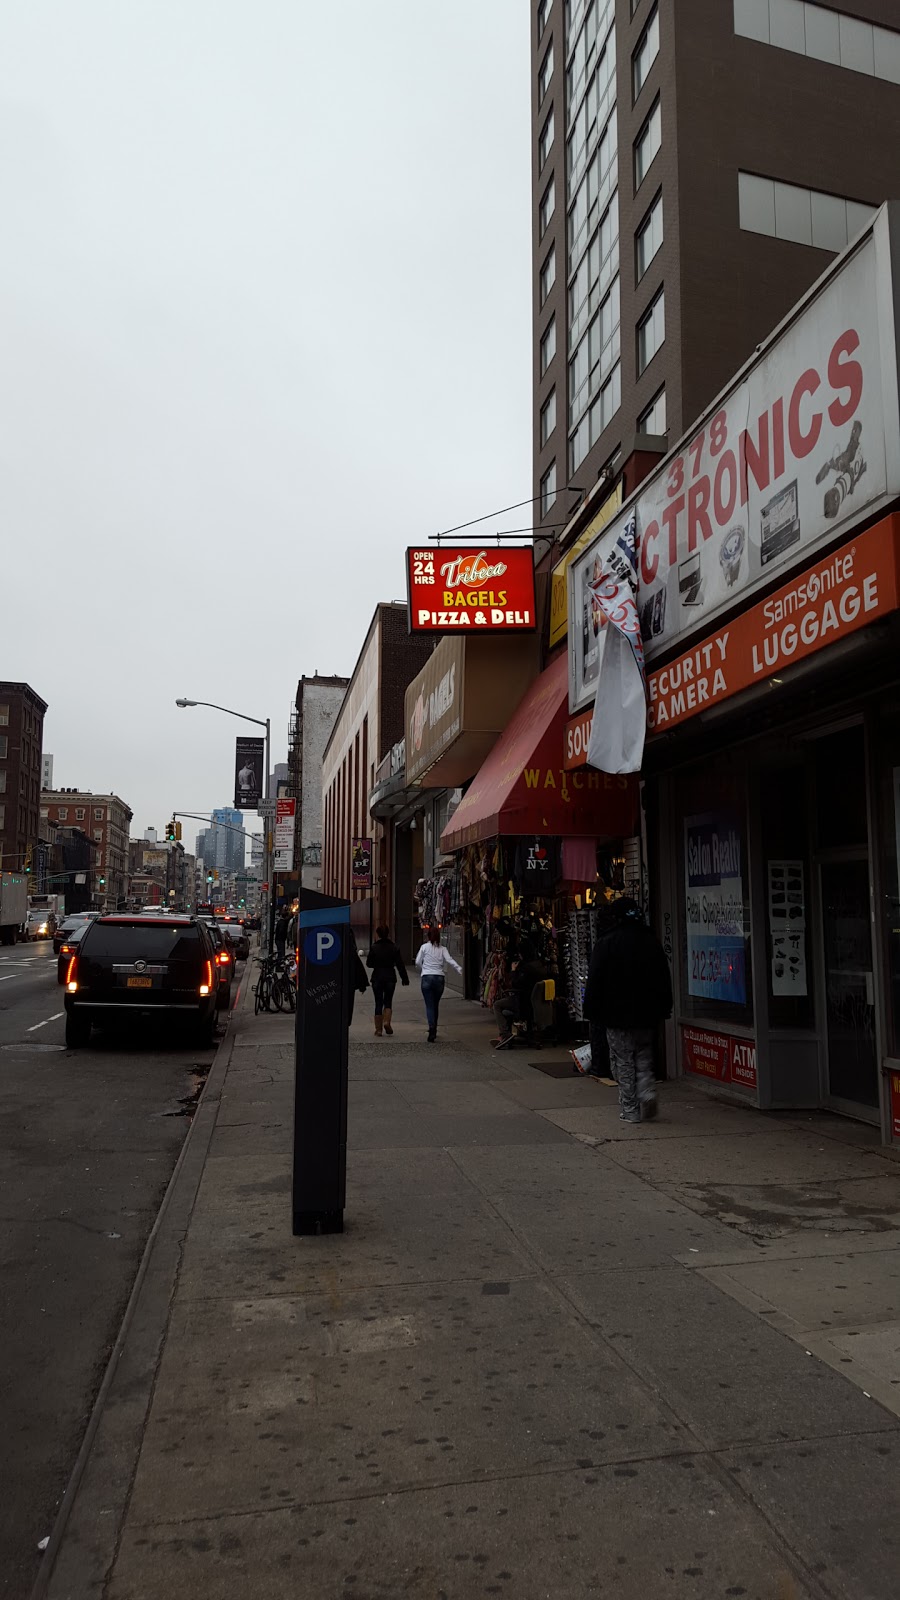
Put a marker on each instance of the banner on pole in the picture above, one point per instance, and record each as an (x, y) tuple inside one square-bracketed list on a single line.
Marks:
[(248, 773), (361, 864), (617, 735)]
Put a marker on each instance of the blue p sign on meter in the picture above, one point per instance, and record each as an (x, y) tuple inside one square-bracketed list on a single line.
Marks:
[(321, 946)]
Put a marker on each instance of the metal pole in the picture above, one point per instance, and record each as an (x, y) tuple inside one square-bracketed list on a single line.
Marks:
[(269, 923)]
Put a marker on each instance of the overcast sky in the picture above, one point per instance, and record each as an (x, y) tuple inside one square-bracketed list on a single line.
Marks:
[(265, 313)]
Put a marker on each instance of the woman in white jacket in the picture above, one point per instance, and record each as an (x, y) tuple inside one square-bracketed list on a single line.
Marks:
[(432, 961)]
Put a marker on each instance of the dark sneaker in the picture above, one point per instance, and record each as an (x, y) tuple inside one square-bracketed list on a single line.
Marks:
[(629, 1116), (649, 1109)]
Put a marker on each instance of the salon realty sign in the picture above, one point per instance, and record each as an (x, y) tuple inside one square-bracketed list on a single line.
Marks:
[(803, 446)]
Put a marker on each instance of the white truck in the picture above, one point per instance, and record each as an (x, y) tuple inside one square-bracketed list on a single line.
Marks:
[(13, 905)]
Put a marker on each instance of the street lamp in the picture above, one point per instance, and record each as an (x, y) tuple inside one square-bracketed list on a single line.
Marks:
[(267, 860)]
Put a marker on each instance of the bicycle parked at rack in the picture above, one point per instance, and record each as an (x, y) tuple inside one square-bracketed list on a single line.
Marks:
[(274, 987)]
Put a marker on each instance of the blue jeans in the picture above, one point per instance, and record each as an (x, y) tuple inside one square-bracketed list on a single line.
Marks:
[(432, 989), (383, 990)]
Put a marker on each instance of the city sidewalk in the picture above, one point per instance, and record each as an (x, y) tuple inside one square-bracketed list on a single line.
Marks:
[(551, 1355)]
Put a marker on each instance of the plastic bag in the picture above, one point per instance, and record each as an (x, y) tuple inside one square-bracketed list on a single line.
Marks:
[(581, 1057)]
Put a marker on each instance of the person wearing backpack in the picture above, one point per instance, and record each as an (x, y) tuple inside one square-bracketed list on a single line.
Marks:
[(386, 964), (630, 988)]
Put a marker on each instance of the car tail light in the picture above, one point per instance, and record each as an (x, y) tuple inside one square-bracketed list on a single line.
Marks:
[(72, 976), (205, 987), (223, 958)]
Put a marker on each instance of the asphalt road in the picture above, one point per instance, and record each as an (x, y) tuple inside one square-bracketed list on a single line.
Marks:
[(87, 1145)]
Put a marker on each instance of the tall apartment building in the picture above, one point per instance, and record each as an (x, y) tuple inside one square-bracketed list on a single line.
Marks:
[(21, 734), (696, 164), (105, 818), (224, 844)]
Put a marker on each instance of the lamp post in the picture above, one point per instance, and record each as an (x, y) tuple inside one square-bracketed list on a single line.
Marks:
[(267, 821)]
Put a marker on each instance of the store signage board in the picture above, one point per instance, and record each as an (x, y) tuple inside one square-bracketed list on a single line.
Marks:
[(576, 739), (559, 587), (850, 588), (464, 588), (714, 908), (720, 1056), (805, 443), (433, 707)]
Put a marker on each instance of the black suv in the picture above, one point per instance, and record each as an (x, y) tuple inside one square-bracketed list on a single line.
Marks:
[(162, 966)]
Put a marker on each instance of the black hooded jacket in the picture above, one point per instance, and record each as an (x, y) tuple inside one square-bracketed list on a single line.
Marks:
[(628, 983)]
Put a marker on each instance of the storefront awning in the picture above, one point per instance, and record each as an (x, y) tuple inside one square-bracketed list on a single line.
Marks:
[(523, 787)]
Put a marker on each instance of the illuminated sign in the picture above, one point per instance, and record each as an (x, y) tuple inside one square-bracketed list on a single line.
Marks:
[(458, 587)]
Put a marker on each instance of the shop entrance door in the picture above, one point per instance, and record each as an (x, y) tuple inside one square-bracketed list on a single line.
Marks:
[(849, 986)]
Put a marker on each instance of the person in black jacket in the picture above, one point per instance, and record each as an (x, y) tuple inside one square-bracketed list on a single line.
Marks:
[(385, 960), (630, 988)]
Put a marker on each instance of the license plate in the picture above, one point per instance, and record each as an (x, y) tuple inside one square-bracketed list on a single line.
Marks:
[(139, 983)]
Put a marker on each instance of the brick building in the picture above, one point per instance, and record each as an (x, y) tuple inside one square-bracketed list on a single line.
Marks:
[(695, 168), (370, 721), (21, 733), (319, 699), (105, 819)]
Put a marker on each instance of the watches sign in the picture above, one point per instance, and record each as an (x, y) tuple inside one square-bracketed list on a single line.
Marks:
[(454, 586)]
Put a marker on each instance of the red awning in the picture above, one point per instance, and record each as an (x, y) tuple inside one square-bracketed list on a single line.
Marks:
[(523, 787)]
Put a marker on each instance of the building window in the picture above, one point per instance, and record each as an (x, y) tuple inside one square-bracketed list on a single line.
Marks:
[(63, 814), (653, 418), (543, 12), (649, 237), (548, 347), (596, 419), (548, 417), (647, 144), (548, 488), (4, 716), (548, 273), (651, 331), (79, 813), (3, 787), (98, 813), (547, 207), (821, 33), (98, 834), (802, 216), (545, 142), (546, 73), (2, 816), (646, 53)]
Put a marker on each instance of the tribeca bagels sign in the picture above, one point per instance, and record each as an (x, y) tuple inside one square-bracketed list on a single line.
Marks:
[(456, 586), (839, 595)]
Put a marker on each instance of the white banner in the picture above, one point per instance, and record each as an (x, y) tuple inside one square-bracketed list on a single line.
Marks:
[(803, 447), (619, 722)]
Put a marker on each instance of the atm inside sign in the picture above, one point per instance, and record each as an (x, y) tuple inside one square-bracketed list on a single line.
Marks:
[(453, 586)]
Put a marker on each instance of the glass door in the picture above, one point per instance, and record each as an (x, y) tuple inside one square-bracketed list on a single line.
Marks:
[(849, 983)]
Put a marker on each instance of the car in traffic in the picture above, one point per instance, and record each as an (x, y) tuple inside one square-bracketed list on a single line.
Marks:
[(129, 967), (239, 939), (224, 959), (77, 919), (68, 947), (40, 925)]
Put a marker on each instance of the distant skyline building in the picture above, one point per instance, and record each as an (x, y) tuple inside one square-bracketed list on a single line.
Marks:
[(225, 839)]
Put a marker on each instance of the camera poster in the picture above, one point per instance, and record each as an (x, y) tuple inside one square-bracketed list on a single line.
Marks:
[(787, 927)]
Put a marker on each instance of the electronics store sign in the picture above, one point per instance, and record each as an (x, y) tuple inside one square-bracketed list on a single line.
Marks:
[(806, 443), (848, 589)]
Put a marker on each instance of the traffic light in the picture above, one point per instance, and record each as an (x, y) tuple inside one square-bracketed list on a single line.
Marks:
[(171, 835), (178, 831), (209, 877), (28, 859), (101, 880)]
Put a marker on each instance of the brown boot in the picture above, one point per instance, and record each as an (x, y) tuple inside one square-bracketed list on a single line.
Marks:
[(387, 1019), (378, 1022)]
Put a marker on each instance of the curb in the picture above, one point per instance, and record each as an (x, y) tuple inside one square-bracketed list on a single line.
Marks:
[(85, 1534)]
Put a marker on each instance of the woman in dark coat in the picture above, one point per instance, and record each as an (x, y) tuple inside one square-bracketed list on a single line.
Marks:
[(386, 964)]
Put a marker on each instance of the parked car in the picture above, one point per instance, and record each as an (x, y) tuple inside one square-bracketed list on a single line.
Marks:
[(239, 939), (40, 925), (78, 919), (141, 967), (68, 947), (224, 959)]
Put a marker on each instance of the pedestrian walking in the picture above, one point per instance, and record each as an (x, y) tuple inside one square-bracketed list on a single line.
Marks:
[(629, 987), (386, 965), (432, 961), (281, 932)]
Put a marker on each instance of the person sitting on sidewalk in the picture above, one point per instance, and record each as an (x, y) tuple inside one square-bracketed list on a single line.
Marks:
[(515, 1005), (629, 986), (386, 963)]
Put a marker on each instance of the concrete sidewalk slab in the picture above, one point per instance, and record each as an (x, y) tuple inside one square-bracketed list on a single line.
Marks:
[(502, 1378)]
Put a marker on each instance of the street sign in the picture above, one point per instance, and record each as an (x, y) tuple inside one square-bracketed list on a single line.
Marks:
[(266, 808), (284, 835)]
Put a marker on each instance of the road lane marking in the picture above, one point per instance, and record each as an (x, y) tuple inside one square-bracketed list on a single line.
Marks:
[(55, 1018), (7, 975)]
